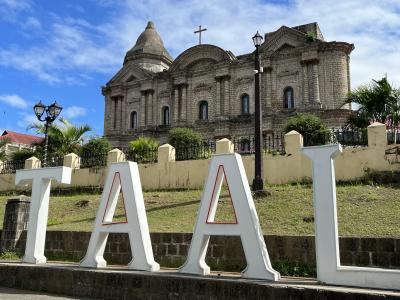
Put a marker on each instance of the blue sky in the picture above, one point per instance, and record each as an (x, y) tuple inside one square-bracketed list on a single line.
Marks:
[(66, 50)]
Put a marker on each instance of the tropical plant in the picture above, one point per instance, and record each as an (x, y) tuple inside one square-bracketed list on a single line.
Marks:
[(95, 145), (3, 142), (311, 127), (64, 138), (376, 102), (22, 154), (143, 149), (181, 137)]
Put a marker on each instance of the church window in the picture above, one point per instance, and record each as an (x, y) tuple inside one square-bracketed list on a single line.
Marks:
[(165, 115), (288, 97), (245, 104), (134, 120), (203, 110)]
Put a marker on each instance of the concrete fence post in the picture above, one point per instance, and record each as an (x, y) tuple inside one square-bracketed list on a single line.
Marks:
[(293, 142), (15, 221), (224, 146), (1, 166), (166, 153), (377, 135), (71, 160), (32, 163), (115, 156)]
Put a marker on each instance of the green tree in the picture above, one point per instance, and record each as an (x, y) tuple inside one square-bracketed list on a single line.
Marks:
[(94, 152), (311, 127), (95, 145), (181, 137), (22, 154), (376, 102), (64, 138), (3, 142), (143, 149)]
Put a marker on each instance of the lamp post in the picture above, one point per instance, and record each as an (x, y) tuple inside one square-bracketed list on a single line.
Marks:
[(258, 184), (52, 112)]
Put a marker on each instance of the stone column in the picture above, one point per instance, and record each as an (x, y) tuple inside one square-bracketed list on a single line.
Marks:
[(268, 84), (108, 113), (316, 82), (142, 109), (227, 97), (184, 103), (218, 100), (32, 163), (149, 107), (121, 114), (224, 146), (155, 109), (176, 104), (15, 222), (306, 98)]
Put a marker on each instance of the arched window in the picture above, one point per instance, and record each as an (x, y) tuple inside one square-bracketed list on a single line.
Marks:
[(134, 120), (203, 110), (165, 115), (288, 97), (245, 104)]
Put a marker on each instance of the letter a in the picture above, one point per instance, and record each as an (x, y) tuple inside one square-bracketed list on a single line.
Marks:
[(39, 210), (126, 176), (246, 223)]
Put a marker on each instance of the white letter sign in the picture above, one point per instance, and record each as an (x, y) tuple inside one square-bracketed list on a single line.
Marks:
[(126, 176), (39, 209), (246, 224), (329, 269)]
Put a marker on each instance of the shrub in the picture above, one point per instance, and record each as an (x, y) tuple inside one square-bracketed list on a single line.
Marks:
[(314, 131), (184, 137), (22, 154), (96, 145), (188, 143), (143, 149)]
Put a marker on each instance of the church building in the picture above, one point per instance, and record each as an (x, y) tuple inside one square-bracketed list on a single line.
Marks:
[(211, 89)]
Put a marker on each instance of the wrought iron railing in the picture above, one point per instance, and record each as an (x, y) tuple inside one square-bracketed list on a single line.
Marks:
[(54, 160), (90, 159), (349, 137), (141, 156), (393, 137), (272, 143), (192, 152), (10, 166)]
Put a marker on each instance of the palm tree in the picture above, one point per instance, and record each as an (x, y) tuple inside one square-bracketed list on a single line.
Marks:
[(378, 102), (64, 138)]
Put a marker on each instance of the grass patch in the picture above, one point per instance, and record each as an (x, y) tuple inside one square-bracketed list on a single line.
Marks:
[(10, 255), (363, 210)]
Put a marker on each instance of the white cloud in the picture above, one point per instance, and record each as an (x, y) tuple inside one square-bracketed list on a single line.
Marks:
[(76, 46), (26, 120), (14, 101), (73, 112)]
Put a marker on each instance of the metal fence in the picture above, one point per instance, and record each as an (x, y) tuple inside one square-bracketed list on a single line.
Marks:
[(272, 143), (90, 159), (141, 156), (349, 137), (11, 166), (192, 152), (54, 160), (393, 137)]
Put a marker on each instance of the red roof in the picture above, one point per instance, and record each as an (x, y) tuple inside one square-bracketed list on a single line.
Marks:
[(21, 138)]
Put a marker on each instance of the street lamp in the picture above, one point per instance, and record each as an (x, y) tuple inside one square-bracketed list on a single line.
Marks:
[(258, 184), (52, 112)]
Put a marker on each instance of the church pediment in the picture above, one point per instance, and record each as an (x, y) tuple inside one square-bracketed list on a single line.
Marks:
[(129, 73), (198, 55), (284, 39)]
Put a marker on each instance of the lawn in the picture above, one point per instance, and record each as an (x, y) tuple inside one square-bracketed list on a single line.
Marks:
[(363, 210)]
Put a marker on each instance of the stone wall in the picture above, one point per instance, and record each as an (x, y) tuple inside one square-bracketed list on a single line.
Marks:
[(225, 253)]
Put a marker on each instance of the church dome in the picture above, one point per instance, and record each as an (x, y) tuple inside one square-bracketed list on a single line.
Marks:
[(149, 48)]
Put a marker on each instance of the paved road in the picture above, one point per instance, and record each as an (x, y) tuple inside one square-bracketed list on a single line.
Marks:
[(12, 294)]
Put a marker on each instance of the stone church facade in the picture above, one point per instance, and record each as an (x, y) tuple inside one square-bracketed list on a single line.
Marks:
[(212, 90)]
